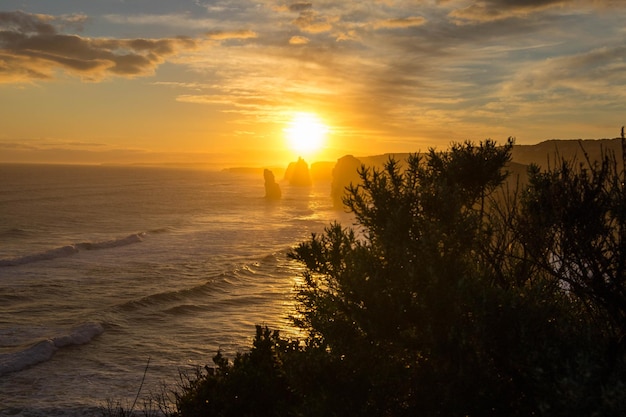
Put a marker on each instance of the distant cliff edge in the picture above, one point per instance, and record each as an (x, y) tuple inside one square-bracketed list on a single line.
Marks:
[(341, 173), (544, 153)]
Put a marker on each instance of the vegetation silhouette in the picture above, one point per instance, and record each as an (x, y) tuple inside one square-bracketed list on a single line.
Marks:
[(453, 295)]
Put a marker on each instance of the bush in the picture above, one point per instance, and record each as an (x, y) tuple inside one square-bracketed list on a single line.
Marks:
[(253, 385), (445, 300)]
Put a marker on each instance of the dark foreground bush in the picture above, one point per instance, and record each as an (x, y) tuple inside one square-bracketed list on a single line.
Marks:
[(450, 298), (255, 384)]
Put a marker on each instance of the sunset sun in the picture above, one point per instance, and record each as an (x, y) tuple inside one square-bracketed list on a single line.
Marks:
[(306, 134)]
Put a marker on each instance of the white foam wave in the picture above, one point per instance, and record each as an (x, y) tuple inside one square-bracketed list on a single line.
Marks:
[(69, 250), (45, 349)]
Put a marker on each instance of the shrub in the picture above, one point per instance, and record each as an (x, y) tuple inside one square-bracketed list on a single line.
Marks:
[(445, 300)]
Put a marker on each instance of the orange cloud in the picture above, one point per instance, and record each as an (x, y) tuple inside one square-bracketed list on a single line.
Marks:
[(313, 22), (298, 40), (32, 48), (403, 22), (490, 10), (226, 35)]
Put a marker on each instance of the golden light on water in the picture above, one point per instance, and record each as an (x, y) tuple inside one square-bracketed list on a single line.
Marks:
[(306, 134)]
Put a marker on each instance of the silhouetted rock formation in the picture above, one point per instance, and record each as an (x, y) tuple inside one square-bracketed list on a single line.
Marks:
[(272, 189), (344, 174), (298, 173), (322, 171)]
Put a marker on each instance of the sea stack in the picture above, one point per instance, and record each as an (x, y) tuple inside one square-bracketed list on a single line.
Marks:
[(272, 189), (298, 173), (345, 172)]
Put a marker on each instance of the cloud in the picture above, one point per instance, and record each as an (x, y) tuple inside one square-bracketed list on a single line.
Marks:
[(172, 20), (402, 69), (220, 35), (410, 71), (309, 20), (300, 7), (403, 22), (234, 100), (492, 10), (489, 10), (599, 72), (298, 40), (33, 48), (312, 22)]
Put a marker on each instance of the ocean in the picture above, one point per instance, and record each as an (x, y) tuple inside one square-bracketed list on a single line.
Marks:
[(106, 271)]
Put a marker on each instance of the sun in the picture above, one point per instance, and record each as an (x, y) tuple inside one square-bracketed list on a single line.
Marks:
[(306, 134)]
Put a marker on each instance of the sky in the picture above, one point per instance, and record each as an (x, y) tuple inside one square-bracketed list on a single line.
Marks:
[(204, 81)]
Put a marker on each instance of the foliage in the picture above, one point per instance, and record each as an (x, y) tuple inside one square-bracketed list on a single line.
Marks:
[(451, 296), (573, 224), (253, 385)]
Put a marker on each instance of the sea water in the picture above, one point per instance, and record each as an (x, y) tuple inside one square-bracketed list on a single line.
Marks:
[(112, 274)]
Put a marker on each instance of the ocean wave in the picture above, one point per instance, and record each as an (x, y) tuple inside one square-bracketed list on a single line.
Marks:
[(217, 290), (160, 230), (69, 250), (45, 349), (184, 309), (113, 243), (166, 298), (14, 233)]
